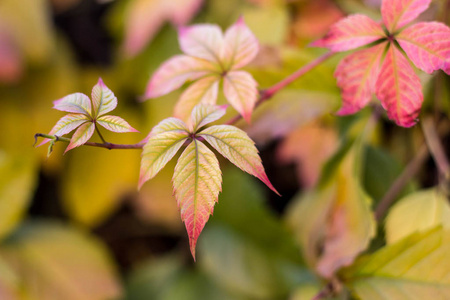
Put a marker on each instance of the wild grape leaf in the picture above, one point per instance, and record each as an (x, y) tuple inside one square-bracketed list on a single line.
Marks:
[(398, 13), (427, 44), (236, 146), (350, 33), (413, 268), (419, 211), (197, 181), (399, 89), (145, 17)]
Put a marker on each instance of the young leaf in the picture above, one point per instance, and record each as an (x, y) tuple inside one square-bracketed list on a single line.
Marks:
[(115, 124), (197, 182), (202, 41), (398, 13), (103, 99), (235, 145), (66, 124), (74, 103), (176, 71), (240, 46), (418, 211), (205, 114), (399, 89), (414, 268), (204, 91), (241, 91), (356, 75), (350, 33), (81, 136), (427, 44), (163, 143)]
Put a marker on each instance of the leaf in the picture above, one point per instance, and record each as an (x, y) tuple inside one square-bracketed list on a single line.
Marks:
[(203, 41), (205, 114), (419, 211), (241, 91), (145, 18), (334, 223), (66, 124), (350, 33), (398, 13), (169, 124), (81, 136), (197, 182), (203, 91), (74, 103), (176, 71), (103, 99), (240, 45), (159, 150), (18, 178), (399, 89), (414, 268), (356, 75), (58, 262), (115, 124), (235, 145), (427, 44)]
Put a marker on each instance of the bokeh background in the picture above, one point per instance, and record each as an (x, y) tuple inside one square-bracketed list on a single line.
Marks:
[(74, 226)]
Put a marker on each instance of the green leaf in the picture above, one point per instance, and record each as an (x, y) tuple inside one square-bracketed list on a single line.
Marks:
[(334, 223), (418, 211), (205, 114), (235, 145), (17, 182), (197, 181), (58, 262), (414, 268), (163, 143)]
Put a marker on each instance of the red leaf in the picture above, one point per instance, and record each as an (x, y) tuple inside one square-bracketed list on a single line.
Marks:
[(399, 89), (427, 44), (356, 75), (350, 33), (398, 13)]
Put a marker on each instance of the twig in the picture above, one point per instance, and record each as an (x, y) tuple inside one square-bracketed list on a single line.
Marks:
[(435, 146), (269, 92)]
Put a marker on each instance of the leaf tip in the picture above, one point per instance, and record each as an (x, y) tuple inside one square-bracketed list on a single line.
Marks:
[(192, 245)]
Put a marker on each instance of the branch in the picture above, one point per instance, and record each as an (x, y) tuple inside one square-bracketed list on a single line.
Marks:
[(435, 146), (92, 144), (269, 92)]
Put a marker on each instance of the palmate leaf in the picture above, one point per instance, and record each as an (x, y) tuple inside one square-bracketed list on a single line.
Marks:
[(197, 181), (398, 13), (415, 268), (236, 146)]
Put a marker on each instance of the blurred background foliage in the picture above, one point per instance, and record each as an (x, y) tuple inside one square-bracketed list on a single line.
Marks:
[(74, 226)]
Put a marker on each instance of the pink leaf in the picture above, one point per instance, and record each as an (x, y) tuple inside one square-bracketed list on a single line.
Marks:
[(205, 114), (66, 124), (241, 91), (81, 136), (103, 99), (398, 13), (197, 181), (236, 146), (427, 44), (160, 148), (115, 124), (399, 89), (356, 75), (176, 71), (203, 41), (240, 46), (350, 33), (204, 91), (145, 18), (75, 103)]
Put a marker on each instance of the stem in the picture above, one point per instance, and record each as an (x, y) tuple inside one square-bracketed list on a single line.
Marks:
[(435, 146), (100, 135), (92, 144), (269, 92)]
